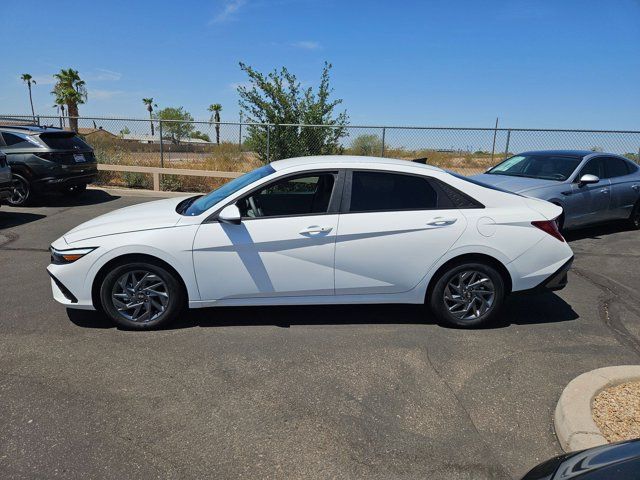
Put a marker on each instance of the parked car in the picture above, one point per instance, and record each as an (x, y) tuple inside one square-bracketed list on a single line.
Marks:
[(6, 184), (46, 159), (620, 461), (316, 230), (591, 187)]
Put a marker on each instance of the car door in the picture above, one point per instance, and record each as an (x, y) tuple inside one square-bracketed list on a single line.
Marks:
[(590, 203), (283, 246), (393, 228), (625, 187)]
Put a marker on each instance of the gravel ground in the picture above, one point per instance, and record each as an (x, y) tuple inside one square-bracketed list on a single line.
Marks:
[(616, 411)]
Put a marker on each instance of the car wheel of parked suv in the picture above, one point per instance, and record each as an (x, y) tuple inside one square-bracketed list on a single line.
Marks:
[(22, 193), (141, 295), (468, 294), (634, 219), (75, 190)]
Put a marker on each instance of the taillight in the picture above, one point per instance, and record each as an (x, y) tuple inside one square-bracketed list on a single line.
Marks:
[(550, 227)]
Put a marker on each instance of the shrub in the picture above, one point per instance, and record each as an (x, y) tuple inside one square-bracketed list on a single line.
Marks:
[(136, 180), (370, 145)]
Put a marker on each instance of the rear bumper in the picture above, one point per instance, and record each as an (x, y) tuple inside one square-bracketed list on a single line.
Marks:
[(556, 281), (59, 183)]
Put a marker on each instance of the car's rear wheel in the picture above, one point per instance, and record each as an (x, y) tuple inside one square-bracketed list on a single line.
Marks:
[(22, 193), (141, 295), (634, 218), (468, 294)]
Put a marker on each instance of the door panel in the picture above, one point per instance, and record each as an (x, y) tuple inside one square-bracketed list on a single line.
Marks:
[(390, 252), (266, 257), (590, 203)]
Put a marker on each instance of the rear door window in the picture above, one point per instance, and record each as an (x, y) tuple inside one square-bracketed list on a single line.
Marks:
[(381, 191)]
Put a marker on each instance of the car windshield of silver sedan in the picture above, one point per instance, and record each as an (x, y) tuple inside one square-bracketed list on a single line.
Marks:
[(202, 204), (546, 167)]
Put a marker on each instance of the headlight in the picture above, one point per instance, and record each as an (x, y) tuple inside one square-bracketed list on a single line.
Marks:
[(60, 257)]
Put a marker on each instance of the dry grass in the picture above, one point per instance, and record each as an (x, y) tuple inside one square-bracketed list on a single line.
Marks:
[(616, 411), (228, 158)]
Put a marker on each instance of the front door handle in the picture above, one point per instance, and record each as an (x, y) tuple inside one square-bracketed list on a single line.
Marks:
[(315, 229), (604, 190), (636, 187), (441, 221)]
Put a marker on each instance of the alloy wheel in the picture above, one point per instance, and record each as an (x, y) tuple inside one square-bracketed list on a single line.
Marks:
[(20, 191), (140, 296), (469, 295)]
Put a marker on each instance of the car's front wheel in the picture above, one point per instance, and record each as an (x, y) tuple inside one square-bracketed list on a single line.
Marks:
[(141, 295), (468, 294)]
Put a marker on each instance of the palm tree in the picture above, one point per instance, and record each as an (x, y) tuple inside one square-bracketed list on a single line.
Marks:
[(149, 103), (216, 108), (28, 79), (70, 90)]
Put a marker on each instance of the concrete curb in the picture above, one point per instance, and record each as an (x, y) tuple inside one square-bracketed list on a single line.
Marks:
[(573, 421)]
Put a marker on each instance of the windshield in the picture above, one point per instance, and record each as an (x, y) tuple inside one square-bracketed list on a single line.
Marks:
[(547, 167), (202, 204)]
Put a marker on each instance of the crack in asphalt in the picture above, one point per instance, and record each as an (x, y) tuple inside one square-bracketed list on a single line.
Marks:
[(609, 318), (468, 414)]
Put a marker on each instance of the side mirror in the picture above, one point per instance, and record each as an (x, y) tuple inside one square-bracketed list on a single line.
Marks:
[(230, 214), (587, 179)]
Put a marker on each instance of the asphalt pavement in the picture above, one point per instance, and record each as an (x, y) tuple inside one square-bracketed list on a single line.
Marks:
[(376, 392)]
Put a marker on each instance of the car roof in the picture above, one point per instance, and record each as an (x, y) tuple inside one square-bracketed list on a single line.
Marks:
[(347, 160), (568, 153), (28, 129)]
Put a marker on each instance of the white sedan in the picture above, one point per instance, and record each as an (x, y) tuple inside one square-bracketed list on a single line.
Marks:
[(316, 230)]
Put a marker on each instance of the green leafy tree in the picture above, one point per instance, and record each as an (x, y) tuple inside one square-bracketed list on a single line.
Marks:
[(215, 109), (201, 136), (176, 123), (28, 79), (125, 131), (278, 98), (70, 90), (367, 145), (148, 102)]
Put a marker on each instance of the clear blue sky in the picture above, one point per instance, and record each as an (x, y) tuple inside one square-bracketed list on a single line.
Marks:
[(533, 63)]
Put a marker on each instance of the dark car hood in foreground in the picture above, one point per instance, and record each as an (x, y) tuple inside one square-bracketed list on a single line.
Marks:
[(514, 184)]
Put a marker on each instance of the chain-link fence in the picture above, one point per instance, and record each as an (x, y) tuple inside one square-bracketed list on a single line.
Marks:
[(229, 146)]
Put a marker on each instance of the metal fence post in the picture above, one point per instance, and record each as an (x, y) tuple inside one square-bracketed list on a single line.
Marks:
[(384, 133), (495, 133), (268, 143), (161, 147), (240, 133), (506, 150)]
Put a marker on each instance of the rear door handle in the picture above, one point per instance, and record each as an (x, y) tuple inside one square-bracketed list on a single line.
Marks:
[(604, 190), (315, 229), (441, 221), (636, 187)]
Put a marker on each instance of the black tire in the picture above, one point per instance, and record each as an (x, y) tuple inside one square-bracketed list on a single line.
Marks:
[(634, 218), (447, 308), (175, 301), (22, 193), (75, 190)]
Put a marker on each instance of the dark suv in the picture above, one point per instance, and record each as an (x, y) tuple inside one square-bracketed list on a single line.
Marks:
[(6, 185), (46, 159)]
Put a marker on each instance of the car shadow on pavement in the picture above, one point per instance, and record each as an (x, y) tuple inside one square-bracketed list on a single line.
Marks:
[(518, 310), (14, 219), (596, 232), (90, 197)]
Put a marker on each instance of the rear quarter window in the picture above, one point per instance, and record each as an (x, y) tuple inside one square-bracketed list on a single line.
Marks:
[(64, 142)]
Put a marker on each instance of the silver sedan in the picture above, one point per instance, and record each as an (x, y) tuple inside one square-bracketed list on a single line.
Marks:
[(591, 187)]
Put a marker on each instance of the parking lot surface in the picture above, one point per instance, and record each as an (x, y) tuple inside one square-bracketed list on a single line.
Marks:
[(294, 392)]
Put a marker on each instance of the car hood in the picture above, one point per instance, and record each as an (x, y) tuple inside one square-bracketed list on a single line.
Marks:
[(144, 216), (515, 184)]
